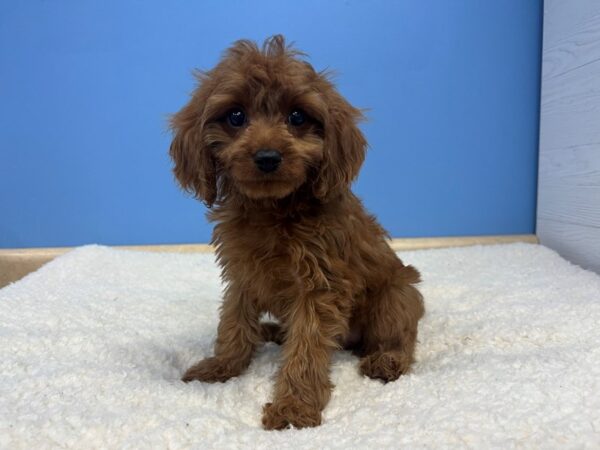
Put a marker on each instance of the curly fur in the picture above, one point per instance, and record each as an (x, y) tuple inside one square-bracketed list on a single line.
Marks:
[(295, 243)]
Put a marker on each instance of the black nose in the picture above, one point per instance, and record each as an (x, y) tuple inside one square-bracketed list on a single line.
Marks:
[(267, 160)]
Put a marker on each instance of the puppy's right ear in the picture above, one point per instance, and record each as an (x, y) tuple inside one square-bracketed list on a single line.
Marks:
[(194, 164)]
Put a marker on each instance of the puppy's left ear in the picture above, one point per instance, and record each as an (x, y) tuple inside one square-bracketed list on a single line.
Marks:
[(345, 146), (195, 167)]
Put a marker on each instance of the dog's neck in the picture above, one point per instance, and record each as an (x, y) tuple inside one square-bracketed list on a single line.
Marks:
[(300, 203)]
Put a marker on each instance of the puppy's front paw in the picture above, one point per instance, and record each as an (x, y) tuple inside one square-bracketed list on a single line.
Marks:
[(211, 370), (386, 366), (283, 413)]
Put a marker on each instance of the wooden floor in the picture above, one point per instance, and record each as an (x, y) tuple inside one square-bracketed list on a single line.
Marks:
[(16, 263)]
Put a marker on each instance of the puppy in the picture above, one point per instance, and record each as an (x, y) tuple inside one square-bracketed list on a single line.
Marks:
[(270, 146)]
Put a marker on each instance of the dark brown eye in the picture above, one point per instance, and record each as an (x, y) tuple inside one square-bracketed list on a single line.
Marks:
[(296, 118), (236, 117)]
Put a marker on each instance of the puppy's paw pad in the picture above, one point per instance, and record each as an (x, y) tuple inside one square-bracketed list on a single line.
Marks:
[(386, 366), (283, 414)]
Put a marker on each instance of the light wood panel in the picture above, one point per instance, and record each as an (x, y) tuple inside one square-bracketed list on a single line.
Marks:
[(570, 204), (574, 242), (573, 166), (569, 163), (574, 46), (562, 17), (570, 105)]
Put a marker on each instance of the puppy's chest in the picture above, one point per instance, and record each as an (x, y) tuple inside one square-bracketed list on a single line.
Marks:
[(273, 255)]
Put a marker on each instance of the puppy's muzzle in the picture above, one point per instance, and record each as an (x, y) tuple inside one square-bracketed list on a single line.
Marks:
[(267, 160)]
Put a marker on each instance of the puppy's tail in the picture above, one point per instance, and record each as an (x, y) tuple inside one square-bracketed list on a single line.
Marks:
[(409, 275)]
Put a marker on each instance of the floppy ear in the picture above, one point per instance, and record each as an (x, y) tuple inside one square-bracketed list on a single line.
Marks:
[(194, 164), (345, 146)]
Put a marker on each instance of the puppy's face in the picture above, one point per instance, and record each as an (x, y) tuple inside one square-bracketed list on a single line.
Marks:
[(263, 123)]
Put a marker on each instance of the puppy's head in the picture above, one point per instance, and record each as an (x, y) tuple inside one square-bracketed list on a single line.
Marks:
[(263, 123)]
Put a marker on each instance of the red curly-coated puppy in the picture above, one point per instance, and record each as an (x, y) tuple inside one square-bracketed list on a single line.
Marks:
[(271, 147)]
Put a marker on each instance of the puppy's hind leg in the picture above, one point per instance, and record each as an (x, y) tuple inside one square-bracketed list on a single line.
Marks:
[(390, 331)]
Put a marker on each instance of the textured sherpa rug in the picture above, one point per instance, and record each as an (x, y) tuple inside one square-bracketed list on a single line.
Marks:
[(92, 346)]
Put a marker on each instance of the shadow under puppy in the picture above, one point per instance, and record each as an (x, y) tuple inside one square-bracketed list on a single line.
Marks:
[(271, 147)]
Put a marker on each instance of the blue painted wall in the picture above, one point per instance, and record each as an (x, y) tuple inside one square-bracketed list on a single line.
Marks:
[(85, 89)]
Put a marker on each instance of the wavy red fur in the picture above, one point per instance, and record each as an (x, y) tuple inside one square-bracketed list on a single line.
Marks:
[(295, 242)]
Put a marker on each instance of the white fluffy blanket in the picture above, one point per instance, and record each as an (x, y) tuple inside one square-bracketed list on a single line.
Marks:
[(93, 344)]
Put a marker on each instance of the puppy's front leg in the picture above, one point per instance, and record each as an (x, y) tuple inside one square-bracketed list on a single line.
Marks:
[(303, 388), (238, 335)]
